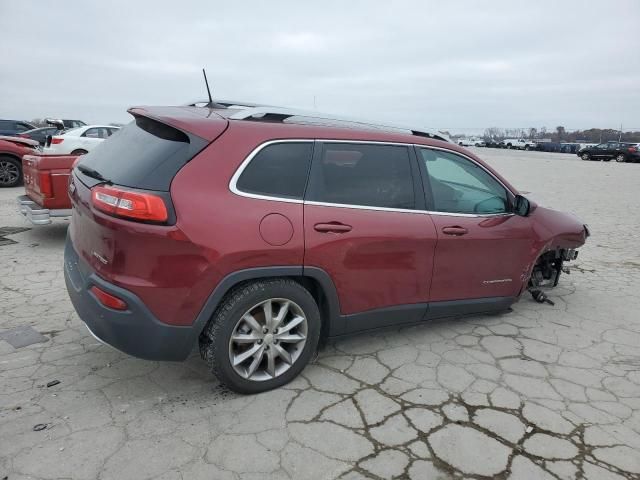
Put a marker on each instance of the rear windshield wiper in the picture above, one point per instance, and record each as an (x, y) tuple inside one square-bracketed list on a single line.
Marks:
[(90, 172)]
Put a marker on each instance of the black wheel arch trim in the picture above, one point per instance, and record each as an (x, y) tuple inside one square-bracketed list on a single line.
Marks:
[(336, 322)]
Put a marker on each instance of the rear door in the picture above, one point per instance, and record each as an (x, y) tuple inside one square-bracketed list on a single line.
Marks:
[(365, 226), (93, 136), (482, 249)]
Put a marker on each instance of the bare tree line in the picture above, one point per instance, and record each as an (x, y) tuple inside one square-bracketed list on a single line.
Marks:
[(560, 134)]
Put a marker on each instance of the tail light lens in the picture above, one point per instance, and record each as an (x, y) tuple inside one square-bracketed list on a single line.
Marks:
[(57, 140), (129, 204), (108, 300), (44, 183), (633, 149)]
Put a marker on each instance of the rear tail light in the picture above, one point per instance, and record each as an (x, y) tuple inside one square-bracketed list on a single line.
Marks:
[(57, 140), (128, 204), (108, 300), (633, 149), (44, 183)]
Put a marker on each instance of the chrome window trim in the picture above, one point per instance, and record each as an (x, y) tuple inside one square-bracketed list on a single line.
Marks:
[(233, 183), (234, 180)]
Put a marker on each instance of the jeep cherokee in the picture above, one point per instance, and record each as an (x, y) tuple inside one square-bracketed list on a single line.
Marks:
[(255, 232)]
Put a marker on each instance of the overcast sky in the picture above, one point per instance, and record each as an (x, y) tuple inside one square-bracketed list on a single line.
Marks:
[(438, 64)]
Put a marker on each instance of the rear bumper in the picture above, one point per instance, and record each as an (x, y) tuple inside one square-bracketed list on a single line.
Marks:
[(134, 331), (36, 214)]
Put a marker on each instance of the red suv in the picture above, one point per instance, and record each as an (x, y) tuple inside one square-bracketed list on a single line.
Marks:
[(258, 231)]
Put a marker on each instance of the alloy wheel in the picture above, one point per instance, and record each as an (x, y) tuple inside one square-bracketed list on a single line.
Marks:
[(268, 339), (620, 158), (9, 173)]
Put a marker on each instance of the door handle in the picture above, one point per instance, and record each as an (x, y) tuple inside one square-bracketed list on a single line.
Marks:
[(455, 230), (334, 227)]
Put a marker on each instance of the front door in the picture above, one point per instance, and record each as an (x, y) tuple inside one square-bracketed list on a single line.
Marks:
[(483, 250), (602, 151), (365, 226)]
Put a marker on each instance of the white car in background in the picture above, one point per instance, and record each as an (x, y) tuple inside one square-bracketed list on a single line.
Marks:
[(79, 140), (471, 142)]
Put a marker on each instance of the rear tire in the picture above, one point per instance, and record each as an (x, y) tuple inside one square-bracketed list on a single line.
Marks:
[(10, 172), (509, 145), (79, 151), (221, 349), (526, 147), (620, 158), (585, 156)]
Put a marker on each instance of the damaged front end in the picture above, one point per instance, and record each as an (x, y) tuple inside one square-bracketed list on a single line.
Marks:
[(548, 268)]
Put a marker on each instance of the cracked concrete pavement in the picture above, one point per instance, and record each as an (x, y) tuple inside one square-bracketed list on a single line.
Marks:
[(541, 392)]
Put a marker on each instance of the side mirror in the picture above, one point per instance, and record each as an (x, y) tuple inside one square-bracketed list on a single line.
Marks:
[(522, 206)]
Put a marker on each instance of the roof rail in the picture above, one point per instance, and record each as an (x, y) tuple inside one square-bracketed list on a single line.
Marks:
[(279, 114), (225, 104), (268, 113)]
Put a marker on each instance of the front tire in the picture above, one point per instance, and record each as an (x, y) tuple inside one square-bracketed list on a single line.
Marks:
[(262, 335), (10, 172), (620, 158), (585, 156)]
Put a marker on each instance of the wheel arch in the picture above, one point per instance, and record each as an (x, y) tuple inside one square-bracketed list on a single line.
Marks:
[(12, 156), (315, 280)]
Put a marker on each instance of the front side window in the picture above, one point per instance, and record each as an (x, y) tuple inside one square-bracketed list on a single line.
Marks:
[(278, 170), (458, 185), (363, 174)]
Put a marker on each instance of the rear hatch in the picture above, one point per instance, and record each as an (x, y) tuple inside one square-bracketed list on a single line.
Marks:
[(126, 174)]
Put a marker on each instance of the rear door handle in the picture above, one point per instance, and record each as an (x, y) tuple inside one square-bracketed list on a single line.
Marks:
[(455, 230), (334, 227)]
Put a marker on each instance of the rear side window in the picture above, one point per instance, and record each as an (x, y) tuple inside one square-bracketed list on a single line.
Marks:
[(145, 154), (363, 174), (278, 170)]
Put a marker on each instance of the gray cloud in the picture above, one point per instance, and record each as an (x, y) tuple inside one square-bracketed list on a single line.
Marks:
[(463, 64)]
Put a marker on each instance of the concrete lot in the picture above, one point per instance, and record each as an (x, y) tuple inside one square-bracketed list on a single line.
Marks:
[(542, 392)]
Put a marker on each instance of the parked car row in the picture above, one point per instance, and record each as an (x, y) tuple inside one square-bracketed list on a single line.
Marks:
[(515, 143), (61, 137), (618, 151)]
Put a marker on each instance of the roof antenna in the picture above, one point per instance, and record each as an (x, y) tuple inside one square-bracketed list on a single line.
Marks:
[(206, 82)]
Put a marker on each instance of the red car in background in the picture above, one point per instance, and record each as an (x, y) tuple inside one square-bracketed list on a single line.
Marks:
[(255, 231), (12, 149), (46, 182)]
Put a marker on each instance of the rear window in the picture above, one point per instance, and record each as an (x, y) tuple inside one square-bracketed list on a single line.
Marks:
[(145, 154), (278, 170)]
